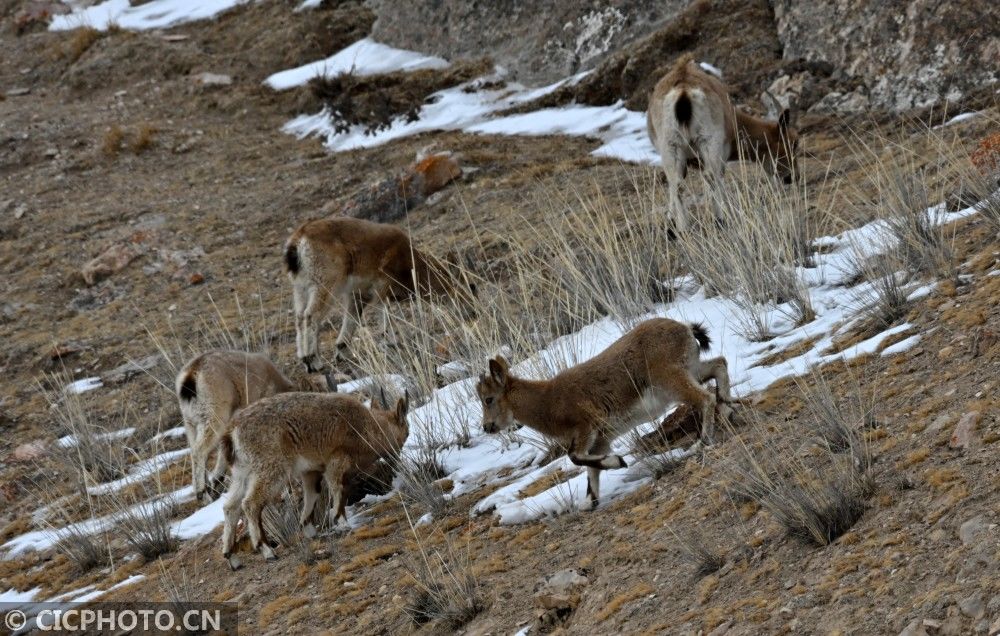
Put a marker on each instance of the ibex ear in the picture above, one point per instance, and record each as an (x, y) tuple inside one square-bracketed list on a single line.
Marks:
[(499, 369), (403, 406), (382, 399), (784, 120)]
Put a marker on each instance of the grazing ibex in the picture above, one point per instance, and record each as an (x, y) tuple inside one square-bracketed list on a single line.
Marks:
[(691, 121), (586, 407), (309, 436), (211, 388), (357, 263)]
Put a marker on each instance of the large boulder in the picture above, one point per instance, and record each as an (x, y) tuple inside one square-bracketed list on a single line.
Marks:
[(538, 42), (904, 54)]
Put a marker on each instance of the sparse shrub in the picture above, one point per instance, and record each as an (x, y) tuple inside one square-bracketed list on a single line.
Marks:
[(87, 551), (112, 141), (145, 137), (447, 592), (417, 474), (281, 522), (883, 299), (704, 558), (81, 40), (815, 496), (922, 244), (765, 234), (145, 527), (94, 455)]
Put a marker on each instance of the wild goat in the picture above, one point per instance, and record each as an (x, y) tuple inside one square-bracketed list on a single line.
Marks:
[(211, 388), (586, 407), (691, 121), (358, 263), (309, 436)]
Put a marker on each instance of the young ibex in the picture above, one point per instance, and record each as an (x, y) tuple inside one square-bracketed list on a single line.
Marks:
[(585, 408), (309, 436), (357, 263), (211, 388), (691, 121)]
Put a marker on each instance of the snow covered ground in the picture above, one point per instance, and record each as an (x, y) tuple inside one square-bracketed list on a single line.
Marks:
[(158, 14)]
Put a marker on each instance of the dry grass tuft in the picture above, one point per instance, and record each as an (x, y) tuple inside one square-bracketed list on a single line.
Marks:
[(81, 40), (615, 604), (145, 137), (112, 141), (817, 492), (446, 590)]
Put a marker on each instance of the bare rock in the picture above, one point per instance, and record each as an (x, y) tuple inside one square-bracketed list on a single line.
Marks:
[(722, 629), (903, 55), (995, 627), (964, 435), (973, 606), (972, 530), (213, 79), (131, 369), (556, 597), (112, 260), (915, 628)]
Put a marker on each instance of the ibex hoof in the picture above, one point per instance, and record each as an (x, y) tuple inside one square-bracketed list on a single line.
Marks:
[(268, 553), (234, 562), (593, 504)]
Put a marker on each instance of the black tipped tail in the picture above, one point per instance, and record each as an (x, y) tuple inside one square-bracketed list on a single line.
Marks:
[(701, 335), (682, 109), (189, 388), (227, 449), (292, 258)]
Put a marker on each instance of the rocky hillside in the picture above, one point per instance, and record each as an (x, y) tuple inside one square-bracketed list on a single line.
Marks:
[(153, 162)]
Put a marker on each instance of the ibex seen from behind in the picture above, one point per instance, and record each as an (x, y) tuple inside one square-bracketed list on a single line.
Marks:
[(356, 263), (211, 387), (691, 121)]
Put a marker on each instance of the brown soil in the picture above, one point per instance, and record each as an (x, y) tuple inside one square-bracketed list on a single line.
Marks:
[(215, 188)]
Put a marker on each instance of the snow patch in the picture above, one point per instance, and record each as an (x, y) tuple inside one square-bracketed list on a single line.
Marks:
[(158, 14), (364, 57)]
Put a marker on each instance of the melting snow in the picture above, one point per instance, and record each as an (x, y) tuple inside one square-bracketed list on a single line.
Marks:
[(158, 14), (82, 386), (69, 441), (364, 57)]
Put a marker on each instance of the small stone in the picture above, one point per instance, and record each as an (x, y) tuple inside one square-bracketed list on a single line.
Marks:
[(20, 211), (721, 629), (213, 79), (196, 279), (939, 423), (52, 153), (995, 628), (946, 352), (964, 433), (786, 611), (971, 530), (931, 624), (29, 452), (16, 92), (914, 629), (973, 606), (561, 591)]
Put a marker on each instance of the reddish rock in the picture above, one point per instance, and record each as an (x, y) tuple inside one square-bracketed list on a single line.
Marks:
[(196, 279)]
